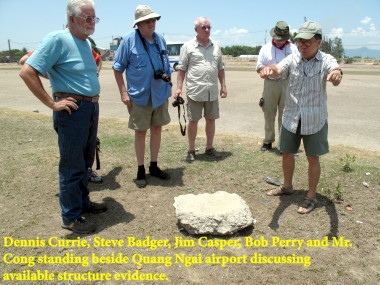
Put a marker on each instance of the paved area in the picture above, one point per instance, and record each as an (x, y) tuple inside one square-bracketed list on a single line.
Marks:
[(354, 115)]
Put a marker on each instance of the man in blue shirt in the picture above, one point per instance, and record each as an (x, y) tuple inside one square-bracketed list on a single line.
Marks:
[(66, 57), (142, 54)]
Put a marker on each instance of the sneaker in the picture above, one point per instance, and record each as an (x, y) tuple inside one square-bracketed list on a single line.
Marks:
[(95, 208), (190, 156), (212, 152), (266, 146), (79, 226), (94, 177), (157, 172)]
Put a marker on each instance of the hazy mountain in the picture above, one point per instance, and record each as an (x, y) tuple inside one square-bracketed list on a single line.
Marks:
[(362, 52)]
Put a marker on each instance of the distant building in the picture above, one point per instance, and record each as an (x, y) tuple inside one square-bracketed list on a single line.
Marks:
[(113, 47)]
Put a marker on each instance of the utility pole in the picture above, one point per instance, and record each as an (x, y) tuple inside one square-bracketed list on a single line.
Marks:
[(265, 37), (304, 19), (10, 51)]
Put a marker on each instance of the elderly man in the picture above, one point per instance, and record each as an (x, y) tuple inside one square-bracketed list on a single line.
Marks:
[(67, 59), (142, 54), (201, 61), (274, 92), (305, 111)]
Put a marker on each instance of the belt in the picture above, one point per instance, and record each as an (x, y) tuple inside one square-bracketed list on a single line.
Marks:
[(94, 99)]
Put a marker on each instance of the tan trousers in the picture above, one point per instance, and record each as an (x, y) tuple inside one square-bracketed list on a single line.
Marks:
[(274, 99)]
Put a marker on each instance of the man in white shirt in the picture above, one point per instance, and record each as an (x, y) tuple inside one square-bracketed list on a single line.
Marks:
[(274, 92)]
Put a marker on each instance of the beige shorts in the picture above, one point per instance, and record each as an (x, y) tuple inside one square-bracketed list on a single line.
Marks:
[(194, 109), (141, 118)]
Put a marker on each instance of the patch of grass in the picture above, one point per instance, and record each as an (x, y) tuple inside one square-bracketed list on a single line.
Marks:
[(347, 162), (29, 183)]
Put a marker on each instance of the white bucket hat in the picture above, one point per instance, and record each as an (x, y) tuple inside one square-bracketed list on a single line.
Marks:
[(143, 13)]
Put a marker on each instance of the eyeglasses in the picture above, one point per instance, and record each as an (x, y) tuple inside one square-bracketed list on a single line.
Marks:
[(90, 19), (205, 28), (307, 43)]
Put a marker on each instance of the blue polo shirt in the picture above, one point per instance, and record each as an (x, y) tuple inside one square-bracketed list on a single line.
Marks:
[(132, 58), (69, 63)]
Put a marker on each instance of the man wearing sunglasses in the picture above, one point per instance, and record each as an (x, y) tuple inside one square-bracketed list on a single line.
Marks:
[(201, 61), (66, 57), (305, 111)]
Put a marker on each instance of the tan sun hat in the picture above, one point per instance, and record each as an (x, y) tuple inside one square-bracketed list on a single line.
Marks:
[(280, 31), (143, 13)]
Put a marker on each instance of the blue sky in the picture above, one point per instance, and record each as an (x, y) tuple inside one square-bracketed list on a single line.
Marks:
[(238, 22)]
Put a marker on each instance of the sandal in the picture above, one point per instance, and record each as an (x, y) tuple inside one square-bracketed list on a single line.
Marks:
[(308, 204), (280, 191)]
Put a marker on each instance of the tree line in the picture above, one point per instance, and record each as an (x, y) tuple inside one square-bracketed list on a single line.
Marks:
[(330, 46)]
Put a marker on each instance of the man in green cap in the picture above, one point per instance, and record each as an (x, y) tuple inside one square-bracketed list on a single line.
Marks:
[(305, 111)]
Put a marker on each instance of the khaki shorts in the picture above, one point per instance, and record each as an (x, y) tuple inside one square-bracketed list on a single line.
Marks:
[(141, 118), (315, 144), (194, 109)]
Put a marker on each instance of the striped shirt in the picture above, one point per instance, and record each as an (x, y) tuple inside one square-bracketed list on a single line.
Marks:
[(306, 97)]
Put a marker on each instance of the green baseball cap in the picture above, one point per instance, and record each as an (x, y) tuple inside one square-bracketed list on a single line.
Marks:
[(308, 30)]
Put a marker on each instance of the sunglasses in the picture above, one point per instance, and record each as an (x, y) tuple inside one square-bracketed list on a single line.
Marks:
[(90, 19)]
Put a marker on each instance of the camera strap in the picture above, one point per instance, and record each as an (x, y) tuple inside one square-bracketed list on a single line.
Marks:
[(183, 129), (147, 50), (97, 153)]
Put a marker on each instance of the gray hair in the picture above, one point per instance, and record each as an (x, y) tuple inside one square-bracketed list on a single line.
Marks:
[(197, 20), (74, 7)]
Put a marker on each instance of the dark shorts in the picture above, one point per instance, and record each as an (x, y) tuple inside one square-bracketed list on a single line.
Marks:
[(315, 144)]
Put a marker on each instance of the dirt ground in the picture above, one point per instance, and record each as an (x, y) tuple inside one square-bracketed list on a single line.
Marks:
[(137, 220)]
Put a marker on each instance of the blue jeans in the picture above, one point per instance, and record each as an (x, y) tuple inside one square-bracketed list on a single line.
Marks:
[(76, 140)]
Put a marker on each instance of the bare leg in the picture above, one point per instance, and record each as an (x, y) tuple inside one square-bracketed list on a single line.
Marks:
[(155, 142), (140, 146), (288, 165), (192, 134), (210, 132), (314, 173)]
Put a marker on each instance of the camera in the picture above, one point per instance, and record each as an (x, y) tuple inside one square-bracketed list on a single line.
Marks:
[(160, 74), (178, 101), (261, 102)]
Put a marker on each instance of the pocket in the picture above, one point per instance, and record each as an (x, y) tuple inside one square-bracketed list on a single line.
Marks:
[(139, 60)]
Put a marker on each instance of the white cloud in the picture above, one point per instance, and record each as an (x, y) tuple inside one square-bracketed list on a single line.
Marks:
[(372, 27), (366, 20), (235, 32), (358, 30), (336, 32), (233, 36), (217, 32)]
